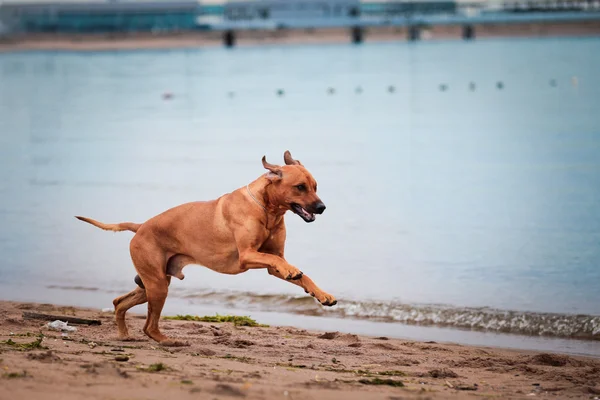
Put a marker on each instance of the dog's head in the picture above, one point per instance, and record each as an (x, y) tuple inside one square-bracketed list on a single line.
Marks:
[(295, 188)]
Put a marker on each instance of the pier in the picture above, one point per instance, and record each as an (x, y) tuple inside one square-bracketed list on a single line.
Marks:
[(232, 21)]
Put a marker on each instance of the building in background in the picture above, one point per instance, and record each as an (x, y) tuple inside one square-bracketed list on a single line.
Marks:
[(106, 16), (405, 8), (99, 16), (289, 13), (290, 9)]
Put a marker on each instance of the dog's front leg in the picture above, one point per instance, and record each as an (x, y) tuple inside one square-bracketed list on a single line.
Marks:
[(310, 287), (251, 259)]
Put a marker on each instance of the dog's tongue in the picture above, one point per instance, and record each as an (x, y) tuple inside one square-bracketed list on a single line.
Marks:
[(307, 214), (303, 213)]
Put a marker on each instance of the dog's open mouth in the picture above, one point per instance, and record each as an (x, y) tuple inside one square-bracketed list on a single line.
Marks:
[(305, 215)]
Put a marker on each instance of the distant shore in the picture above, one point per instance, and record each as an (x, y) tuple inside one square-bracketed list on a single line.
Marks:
[(200, 39), (223, 360)]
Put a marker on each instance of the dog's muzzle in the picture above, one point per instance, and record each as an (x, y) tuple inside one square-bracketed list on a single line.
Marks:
[(308, 214)]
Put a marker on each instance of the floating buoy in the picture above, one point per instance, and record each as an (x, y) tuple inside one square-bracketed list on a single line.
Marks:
[(280, 92), (358, 90), (500, 85), (553, 82), (330, 90), (443, 87), (391, 89), (230, 94), (472, 86), (167, 96)]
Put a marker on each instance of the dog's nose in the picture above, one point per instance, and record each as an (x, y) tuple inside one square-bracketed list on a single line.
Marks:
[(320, 207)]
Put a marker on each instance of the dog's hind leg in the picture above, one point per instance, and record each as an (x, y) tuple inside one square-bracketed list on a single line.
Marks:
[(124, 303), (150, 262)]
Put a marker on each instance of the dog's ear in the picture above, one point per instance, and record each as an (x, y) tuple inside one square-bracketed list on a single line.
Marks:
[(287, 157), (274, 169)]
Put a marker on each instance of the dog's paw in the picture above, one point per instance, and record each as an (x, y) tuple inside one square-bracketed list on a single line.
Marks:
[(325, 299), (330, 303)]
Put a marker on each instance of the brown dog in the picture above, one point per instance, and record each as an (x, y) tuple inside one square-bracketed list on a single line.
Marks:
[(238, 231)]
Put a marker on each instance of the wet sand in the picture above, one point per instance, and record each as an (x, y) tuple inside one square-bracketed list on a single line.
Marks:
[(225, 361), (122, 41)]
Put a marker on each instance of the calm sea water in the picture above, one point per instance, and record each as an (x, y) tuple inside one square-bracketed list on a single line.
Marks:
[(462, 180)]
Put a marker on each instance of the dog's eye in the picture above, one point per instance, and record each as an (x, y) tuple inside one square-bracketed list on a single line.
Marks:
[(301, 187)]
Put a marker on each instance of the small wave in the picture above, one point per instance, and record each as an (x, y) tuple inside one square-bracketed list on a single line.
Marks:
[(584, 327)]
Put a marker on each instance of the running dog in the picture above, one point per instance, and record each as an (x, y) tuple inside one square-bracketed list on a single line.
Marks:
[(241, 230)]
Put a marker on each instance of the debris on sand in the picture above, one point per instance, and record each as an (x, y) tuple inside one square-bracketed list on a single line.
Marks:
[(329, 335), (154, 367), (442, 373), (36, 344), (60, 326), (48, 317), (391, 373), (235, 319), (379, 381), (122, 358), (466, 387)]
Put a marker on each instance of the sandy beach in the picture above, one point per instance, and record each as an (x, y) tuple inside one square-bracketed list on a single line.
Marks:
[(227, 361), (202, 39)]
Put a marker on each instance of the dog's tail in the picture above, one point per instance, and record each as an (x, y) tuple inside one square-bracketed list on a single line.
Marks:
[(123, 226)]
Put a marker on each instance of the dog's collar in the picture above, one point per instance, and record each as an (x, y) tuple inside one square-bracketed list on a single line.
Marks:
[(254, 198)]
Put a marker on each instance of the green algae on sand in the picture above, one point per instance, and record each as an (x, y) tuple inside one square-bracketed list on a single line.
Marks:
[(235, 319)]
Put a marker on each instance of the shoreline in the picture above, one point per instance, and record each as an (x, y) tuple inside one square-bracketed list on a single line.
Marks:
[(296, 312), (266, 363), (207, 39)]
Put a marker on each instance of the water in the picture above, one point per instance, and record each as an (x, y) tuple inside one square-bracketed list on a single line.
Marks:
[(470, 208)]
